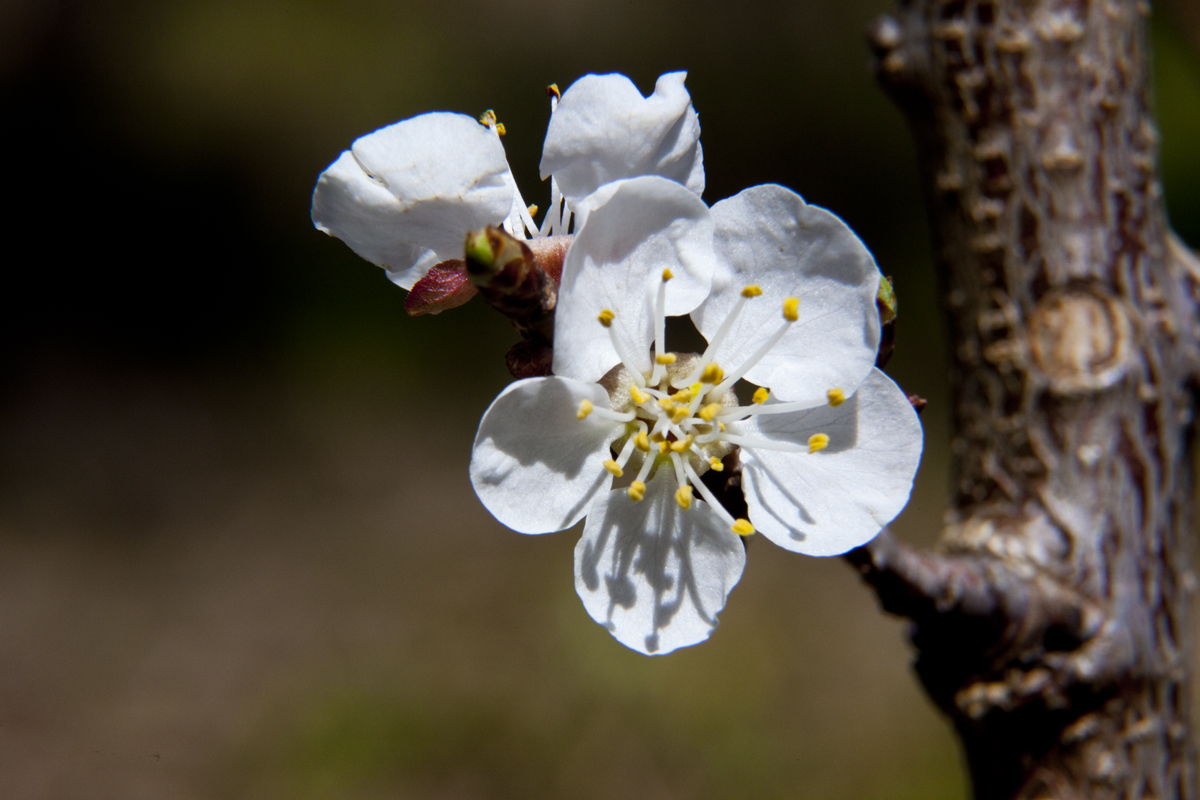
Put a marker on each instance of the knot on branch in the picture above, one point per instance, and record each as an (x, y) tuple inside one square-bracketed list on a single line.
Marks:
[(1081, 340)]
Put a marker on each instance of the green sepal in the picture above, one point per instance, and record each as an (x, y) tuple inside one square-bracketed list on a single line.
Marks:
[(886, 300)]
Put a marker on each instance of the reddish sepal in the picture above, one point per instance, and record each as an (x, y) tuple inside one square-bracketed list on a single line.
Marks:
[(443, 287)]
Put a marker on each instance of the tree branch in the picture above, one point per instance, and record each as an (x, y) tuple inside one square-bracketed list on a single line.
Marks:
[(926, 585), (1051, 624)]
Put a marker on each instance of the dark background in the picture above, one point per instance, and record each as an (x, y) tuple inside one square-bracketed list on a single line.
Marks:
[(239, 553)]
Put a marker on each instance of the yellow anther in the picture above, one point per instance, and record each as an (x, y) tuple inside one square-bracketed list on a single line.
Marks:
[(743, 527), (791, 309), (710, 411), (817, 442), (753, 290), (638, 395), (679, 414), (665, 358), (552, 89), (712, 374), (641, 442), (761, 394), (696, 388), (667, 275), (682, 445), (614, 468), (658, 437), (683, 396), (715, 464), (721, 425), (684, 497), (585, 408), (606, 317), (488, 120), (637, 490), (666, 403), (836, 397), (664, 447), (533, 209)]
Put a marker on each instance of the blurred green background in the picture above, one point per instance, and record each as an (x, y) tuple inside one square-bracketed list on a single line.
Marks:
[(239, 553)]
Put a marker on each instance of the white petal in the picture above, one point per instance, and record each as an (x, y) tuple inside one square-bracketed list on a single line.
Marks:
[(826, 503), (604, 130), (534, 465), (638, 228), (767, 235), (415, 186), (652, 573), (421, 264)]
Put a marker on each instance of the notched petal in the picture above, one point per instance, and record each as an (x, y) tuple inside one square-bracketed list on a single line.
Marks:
[(605, 130)]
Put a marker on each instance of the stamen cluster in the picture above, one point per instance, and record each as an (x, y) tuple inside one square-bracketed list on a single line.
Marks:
[(675, 416)]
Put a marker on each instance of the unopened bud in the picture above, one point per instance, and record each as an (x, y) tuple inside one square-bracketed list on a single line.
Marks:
[(489, 251), (479, 255)]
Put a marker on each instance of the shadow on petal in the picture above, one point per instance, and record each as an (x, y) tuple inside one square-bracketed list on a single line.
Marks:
[(755, 474), (839, 424), (539, 426), (841, 496), (535, 465), (653, 574)]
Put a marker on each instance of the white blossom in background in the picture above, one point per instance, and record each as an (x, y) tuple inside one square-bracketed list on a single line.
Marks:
[(405, 196), (785, 295)]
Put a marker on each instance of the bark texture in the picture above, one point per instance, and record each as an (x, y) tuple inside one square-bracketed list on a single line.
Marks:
[(1051, 625)]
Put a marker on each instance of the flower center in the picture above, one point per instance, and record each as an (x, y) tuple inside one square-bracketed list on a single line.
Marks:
[(668, 423), (676, 415)]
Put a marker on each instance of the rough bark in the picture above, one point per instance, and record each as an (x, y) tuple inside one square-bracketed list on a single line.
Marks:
[(1051, 625)]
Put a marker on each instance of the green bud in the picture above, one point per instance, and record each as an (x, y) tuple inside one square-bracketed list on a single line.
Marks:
[(496, 260), (886, 301), (480, 257)]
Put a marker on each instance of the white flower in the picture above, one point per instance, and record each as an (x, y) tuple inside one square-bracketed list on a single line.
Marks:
[(625, 430), (405, 196), (785, 294)]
